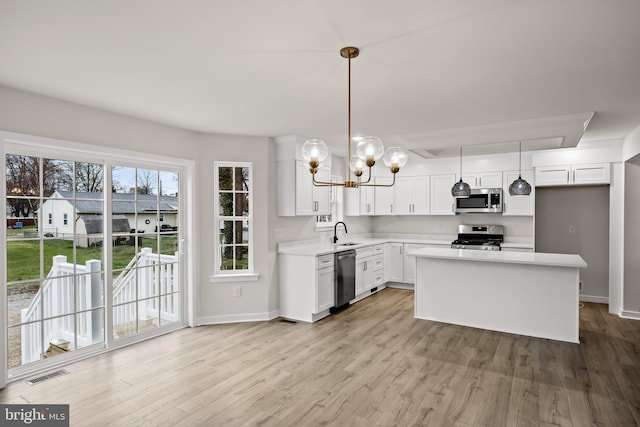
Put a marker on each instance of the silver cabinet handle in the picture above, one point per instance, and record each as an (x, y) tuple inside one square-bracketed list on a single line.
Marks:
[(574, 176), (504, 207), (391, 207), (453, 207), (567, 176)]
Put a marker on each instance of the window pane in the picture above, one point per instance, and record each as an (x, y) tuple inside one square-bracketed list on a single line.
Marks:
[(169, 183), (89, 177), (242, 204), (227, 258), (238, 234), (21, 296), (22, 175), (242, 257), (225, 180), (123, 180), (24, 344), (90, 327), (241, 179), (147, 182), (125, 320), (57, 175), (226, 232), (226, 204)]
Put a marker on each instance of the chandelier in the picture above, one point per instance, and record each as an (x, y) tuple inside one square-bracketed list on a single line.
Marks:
[(368, 150)]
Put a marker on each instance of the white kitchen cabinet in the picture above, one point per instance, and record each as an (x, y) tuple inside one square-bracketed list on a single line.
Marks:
[(306, 286), (594, 173), (325, 289), (364, 269), (412, 195), (442, 203), (367, 199), (393, 262), (312, 200), (518, 205), (409, 263), (483, 179), (503, 249), (383, 197)]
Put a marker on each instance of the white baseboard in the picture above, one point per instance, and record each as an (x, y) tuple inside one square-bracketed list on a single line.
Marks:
[(594, 298), (238, 318), (625, 314), (398, 285)]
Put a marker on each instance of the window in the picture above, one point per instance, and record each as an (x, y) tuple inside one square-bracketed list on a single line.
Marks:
[(328, 221), (50, 219), (65, 219), (233, 218)]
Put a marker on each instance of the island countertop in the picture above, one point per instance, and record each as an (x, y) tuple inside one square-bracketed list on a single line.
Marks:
[(533, 258)]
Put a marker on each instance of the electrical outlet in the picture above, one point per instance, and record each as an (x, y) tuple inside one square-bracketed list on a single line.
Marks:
[(237, 291), (572, 229)]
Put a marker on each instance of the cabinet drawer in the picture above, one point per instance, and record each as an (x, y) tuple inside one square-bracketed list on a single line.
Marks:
[(378, 249), (324, 261), (378, 278), (378, 262), (364, 252)]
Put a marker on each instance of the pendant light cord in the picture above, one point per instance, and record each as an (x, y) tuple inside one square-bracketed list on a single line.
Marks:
[(520, 160), (349, 114)]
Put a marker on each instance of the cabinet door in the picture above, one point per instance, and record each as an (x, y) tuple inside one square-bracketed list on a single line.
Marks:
[(361, 265), (552, 175), (366, 200), (322, 195), (351, 197), (599, 173), (489, 180), (325, 289), (393, 262), (304, 190), (421, 195), (404, 196), (518, 205), (442, 202), (409, 263), (383, 197)]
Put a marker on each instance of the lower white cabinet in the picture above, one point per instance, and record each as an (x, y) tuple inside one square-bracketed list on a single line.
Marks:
[(409, 263), (306, 286), (393, 262), (364, 269), (325, 289)]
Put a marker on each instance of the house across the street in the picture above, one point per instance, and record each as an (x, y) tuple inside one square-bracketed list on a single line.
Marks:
[(141, 213)]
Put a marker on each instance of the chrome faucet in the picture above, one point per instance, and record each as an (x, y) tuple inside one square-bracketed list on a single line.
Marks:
[(335, 230)]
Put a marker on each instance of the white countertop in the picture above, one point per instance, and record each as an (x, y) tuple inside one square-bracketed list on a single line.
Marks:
[(314, 248), (536, 258)]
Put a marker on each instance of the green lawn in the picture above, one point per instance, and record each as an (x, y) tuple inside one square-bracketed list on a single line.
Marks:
[(23, 256)]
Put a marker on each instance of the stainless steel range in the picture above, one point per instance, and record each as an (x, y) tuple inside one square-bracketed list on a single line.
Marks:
[(479, 237)]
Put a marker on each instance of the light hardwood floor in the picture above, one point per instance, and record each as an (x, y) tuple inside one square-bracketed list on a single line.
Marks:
[(371, 365)]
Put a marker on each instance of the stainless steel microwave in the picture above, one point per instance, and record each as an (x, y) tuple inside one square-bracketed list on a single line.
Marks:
[(482, 200)]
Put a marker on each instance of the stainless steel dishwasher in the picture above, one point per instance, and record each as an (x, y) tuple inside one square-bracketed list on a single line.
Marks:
[(345, 286)]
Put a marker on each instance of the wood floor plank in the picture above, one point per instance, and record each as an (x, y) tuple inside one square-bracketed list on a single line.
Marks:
[(370, 365)]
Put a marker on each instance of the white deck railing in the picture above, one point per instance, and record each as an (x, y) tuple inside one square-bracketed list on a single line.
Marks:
[(135, 298)]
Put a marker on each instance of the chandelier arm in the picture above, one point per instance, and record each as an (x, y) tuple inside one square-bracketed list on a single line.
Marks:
[(381, 185), (324, 183)]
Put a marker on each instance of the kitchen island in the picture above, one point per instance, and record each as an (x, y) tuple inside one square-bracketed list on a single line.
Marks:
[(534, 294)]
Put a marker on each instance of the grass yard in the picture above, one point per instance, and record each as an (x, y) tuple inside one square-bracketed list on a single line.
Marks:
[(23, 256)]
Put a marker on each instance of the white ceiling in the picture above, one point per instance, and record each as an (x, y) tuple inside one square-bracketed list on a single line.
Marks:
[(431, 75)]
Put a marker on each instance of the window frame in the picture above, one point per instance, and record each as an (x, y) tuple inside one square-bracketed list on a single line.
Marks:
[(247, 274)]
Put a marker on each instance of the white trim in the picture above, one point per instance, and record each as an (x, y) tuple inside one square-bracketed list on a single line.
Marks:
[(594, 298), (238, 318), (228, 278), (625, 314)]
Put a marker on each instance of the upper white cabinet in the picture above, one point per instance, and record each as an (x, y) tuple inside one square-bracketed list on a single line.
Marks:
[(383, 197), (594, 173), (412, 195), (483, 179), (367, 200), (518, 205), (296, 193), (442, 202), (312, 200)]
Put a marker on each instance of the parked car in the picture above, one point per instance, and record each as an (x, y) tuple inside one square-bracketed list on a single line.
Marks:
[(166, 227)]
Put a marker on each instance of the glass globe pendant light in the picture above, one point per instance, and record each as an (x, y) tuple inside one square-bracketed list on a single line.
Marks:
[(461, 189), (368, 150), (520, 187)]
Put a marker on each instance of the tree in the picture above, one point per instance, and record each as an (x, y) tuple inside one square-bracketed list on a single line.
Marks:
[(146, 181), (89, 177)]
